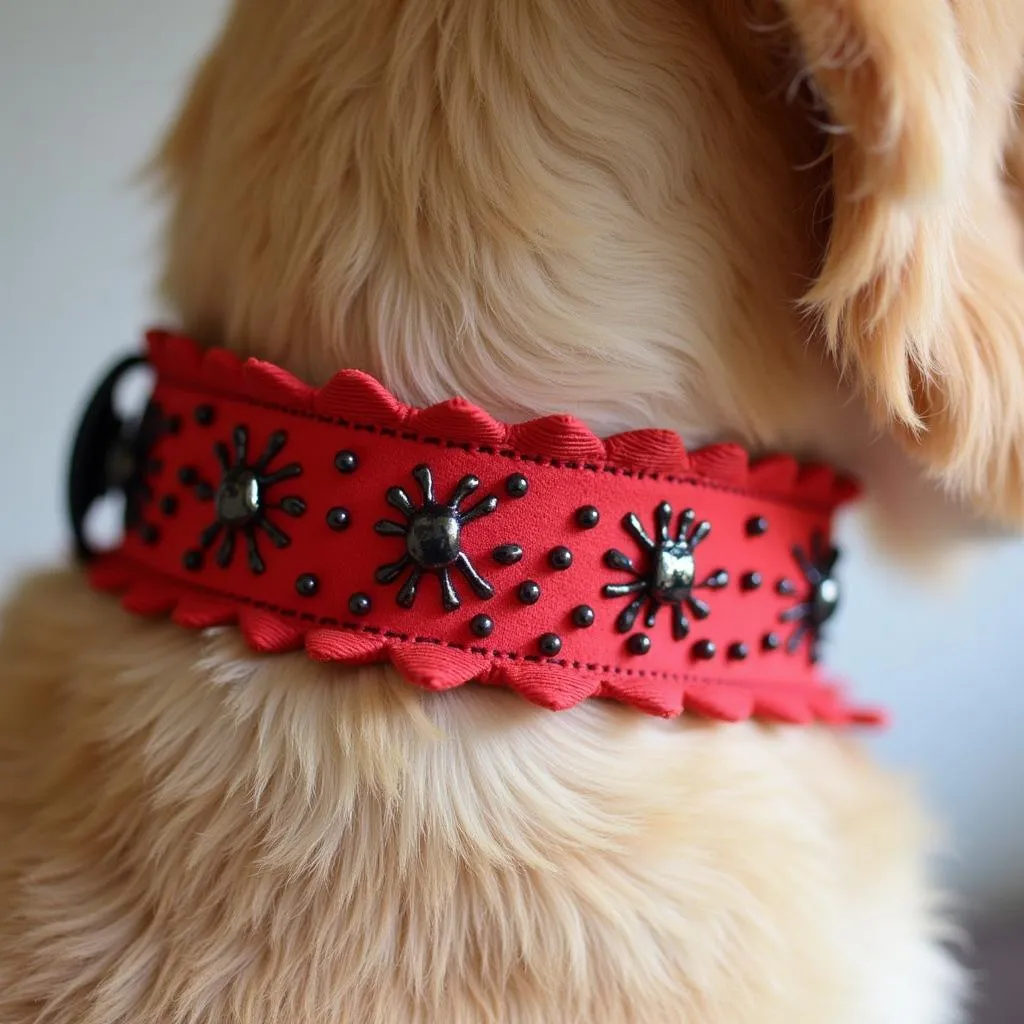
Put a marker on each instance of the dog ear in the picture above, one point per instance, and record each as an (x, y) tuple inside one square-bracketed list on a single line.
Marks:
[(921, 289)]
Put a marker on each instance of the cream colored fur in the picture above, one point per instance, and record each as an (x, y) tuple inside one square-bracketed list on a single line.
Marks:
[(200, 834), (626, 209)]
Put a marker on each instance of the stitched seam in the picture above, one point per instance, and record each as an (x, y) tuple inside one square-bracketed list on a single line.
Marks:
[(509, 453), (387, 634)]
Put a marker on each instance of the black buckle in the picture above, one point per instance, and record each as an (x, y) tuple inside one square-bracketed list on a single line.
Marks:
[(109, 454)]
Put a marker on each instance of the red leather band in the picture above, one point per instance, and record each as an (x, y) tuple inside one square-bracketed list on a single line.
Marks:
[(260, 501)]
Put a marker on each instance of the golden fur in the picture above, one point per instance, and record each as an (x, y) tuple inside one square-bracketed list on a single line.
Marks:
[(201, 834), (792, 225)]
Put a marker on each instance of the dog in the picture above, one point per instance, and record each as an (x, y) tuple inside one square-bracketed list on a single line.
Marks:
[(792, 225)]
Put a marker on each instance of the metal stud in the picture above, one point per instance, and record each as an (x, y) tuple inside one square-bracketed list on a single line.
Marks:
[(550, 644), (432, 533), (193, 561), (307, 585), (346, 461), (669, 576), (507, 554), (757, 526), (482, 625), (639, 643), (517, 485), (812, 613), (787, 588), (204, 415), (338, 518), (560, 558), (770, 641), (588, 517), (241, 503), (529, 592), (704, 649), (751, 581), (582, 616), (360, 604), (737, 651)]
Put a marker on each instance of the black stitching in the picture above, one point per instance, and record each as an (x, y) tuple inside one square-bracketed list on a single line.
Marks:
[(540, 460), (354, 627)]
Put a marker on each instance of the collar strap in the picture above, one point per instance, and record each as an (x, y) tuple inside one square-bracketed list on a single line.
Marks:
[(535, 556)]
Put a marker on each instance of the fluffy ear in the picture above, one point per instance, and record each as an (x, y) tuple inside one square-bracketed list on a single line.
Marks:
[(921, 290)]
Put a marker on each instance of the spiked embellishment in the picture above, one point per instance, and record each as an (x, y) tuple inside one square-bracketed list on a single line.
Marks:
[(255, 500), (671, 576), (240, 501), (433, 539)]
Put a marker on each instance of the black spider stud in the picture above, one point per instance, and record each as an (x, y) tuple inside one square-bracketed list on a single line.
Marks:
[(671, 575), (822, 599), (240, 499), (433, 539)]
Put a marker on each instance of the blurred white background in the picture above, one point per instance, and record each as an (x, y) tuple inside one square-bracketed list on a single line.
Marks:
[(85, 88)]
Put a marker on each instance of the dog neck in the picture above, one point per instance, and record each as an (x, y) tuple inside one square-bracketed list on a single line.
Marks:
[(609, 246)]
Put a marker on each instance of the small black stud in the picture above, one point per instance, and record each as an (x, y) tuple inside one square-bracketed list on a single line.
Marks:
[(770, 641), (757, 526), (704, 649), (482, 625), (204, 415), (582, 616), (149, 534), (639, 643), (188, 475), (307, 585), (560, 558), (169, 505), (517, 485), (751, 581), (360, 604), (588, 517), (338, 519), (550, 644), (507, 554), (738, 651), (205, 491), (346, 461), (787, 588), (193, 561), (173, 425), (529, 592)]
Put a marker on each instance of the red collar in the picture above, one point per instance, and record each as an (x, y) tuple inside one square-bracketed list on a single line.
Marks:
[(534, 556)]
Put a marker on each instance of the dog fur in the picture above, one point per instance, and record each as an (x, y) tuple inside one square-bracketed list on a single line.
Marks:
[(793, 225)]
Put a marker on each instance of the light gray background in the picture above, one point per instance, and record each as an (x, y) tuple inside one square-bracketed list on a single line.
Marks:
[(84, 90)]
